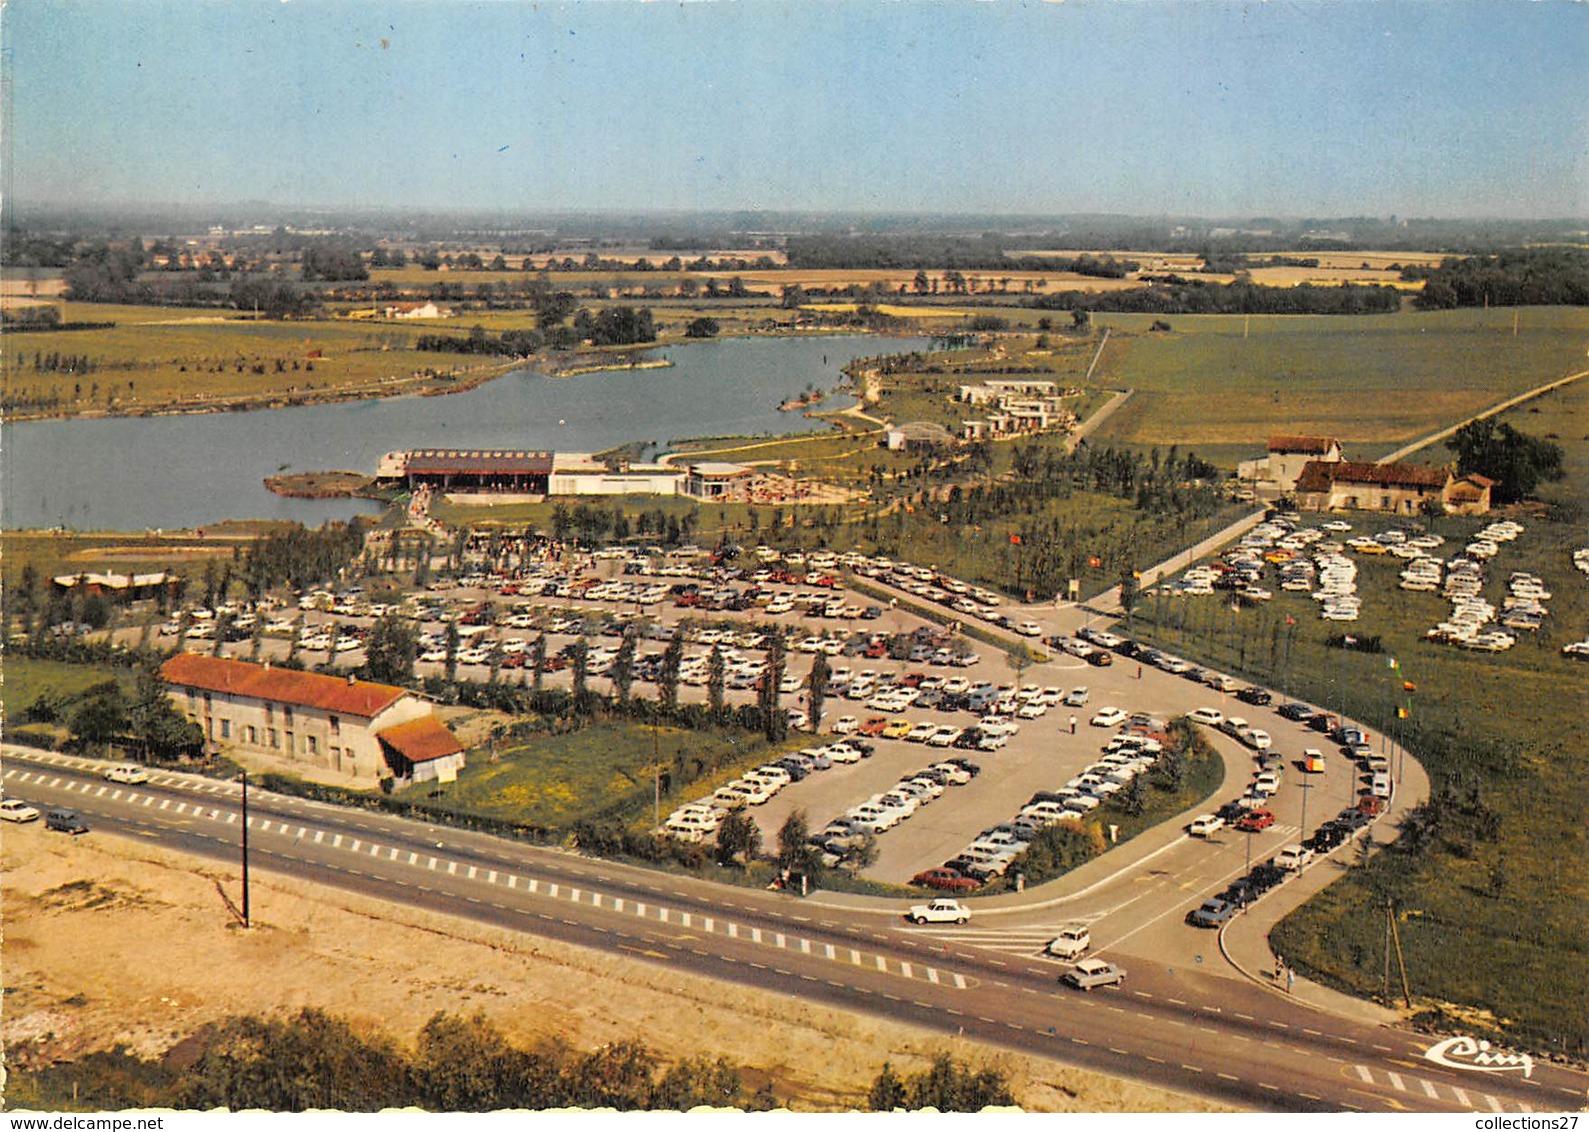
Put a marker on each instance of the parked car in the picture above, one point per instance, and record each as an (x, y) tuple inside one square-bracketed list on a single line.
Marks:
[(1206, 715), (1072, 941), (15, 809), (1292, 858), (940, 911), (1258, 697), (950, 880), (1108, 717), (1089, 973), (1313, 761), (1205, 824), (1076, 697), (1211, 913)]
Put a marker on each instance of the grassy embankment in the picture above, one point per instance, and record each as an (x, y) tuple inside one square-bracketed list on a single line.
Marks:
[(1491, 911)]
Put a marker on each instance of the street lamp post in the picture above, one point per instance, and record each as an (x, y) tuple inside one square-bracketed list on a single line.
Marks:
[(244, 777)]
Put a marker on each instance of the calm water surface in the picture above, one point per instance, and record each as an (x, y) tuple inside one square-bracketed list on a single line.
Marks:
[(137, 473)]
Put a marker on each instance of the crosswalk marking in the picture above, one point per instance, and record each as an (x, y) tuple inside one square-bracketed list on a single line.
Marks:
[(1395, 1081), (1362, 1071), (1462, 1097)]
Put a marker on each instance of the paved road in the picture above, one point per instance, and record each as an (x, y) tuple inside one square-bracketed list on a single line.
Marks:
[(1173, 1027)]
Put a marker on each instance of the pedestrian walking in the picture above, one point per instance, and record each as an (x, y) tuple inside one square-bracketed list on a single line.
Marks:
[(1073, 725), (1291, 981)]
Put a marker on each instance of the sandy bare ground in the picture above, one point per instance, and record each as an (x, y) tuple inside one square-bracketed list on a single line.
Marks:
[(111, 940)]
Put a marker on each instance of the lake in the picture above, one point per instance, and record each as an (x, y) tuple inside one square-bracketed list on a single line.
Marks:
[(139, 473)]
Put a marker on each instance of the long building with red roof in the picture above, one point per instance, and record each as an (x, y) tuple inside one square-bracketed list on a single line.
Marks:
[(339, 727)]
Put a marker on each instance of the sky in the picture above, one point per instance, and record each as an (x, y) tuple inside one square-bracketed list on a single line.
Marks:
[(1467, 108)]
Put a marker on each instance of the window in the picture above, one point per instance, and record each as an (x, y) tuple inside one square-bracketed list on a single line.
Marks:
[(226, 729), (314, 744), (273, 738), (291, 739), (286, 714), (269, 708), (251, 734), (336, 726)]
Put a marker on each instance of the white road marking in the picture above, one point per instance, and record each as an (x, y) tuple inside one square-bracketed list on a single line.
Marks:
[(1362, 1071), (1462, 1097), (1396, 1082)]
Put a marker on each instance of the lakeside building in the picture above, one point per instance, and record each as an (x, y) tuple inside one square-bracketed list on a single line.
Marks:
[(348, 729), (509, 472)]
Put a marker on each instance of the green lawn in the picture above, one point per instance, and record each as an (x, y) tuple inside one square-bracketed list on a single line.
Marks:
[(26, 680), (1373, 381)]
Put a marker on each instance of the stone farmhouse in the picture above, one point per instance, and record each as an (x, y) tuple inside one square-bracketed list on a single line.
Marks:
[(336, 728)]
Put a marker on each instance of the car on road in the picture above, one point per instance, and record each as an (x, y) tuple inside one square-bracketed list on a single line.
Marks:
[(1108, 717), (1295, 711), (1293, 857), (1258, 697), (1254, 821), (15, 809), (1072, 941), (1313, 761), (1076, 697), (940, 911), (66, 821), (1206, 715), (127, 774), (1205, 824), (1211, 913), (1029, 629), (1256, 738), (949, 880), (1089, 973)]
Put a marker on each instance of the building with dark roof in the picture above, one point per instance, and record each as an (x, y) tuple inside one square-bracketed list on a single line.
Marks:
[(513, 471), (1345, 485), (339, 728)]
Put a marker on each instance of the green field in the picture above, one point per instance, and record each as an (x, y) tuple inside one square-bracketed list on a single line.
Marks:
[(26, 680), (1495, 898), (1375, 382)]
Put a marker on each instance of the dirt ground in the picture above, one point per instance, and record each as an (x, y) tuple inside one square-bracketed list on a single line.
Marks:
[(111, 940)]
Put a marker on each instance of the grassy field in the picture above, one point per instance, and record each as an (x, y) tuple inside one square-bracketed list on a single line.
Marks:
[(159, 358), (1375, 381), (51, 554), (26, 680), (1496, 899)]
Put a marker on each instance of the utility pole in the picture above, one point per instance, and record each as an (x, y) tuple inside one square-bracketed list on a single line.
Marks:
[(244, 777), (656, 778), (1306, 786)]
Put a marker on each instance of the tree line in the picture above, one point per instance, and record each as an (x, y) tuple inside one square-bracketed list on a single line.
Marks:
[(315, 1060), (1551, 276), (1182, 296)]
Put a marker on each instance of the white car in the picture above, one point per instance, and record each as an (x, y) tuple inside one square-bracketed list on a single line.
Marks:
[(1029, 629), (1293, 857), (15, 809), (1256, 738), (940, 911), (1072, 941), (1206, 715), (127, 774), (1108, 717), (1206, 824), (1076, 697), (845, 725), (945, 736)]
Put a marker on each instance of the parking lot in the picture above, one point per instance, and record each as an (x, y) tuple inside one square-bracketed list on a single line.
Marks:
[(888, 667)]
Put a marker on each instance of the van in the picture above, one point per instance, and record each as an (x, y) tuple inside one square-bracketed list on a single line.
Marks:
[(1379, 786), (66, 821)]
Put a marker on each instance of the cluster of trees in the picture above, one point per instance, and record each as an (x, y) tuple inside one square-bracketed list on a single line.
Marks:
[(702, 328), (1517, 462), (619, 325), (332, 260), (946, 1085), (273, 296), (105, 714), (57, 362), (597, 525), (299, 557), (1241, 297), (510, 343), (314, 1060), (1552, 276)]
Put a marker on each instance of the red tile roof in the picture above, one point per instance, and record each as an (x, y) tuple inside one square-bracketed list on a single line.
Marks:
[(281, 685), (420, 740), (1320, 475), (474, 461), (1316, 444)]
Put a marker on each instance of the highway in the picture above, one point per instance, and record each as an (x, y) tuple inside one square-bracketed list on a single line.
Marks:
[(1175, 1023)]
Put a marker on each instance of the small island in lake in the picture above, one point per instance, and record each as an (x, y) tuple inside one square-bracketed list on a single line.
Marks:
[(804, 401), (320, 485)]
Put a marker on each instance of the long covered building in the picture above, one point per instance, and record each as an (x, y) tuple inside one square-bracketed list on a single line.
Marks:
[(468, 469)]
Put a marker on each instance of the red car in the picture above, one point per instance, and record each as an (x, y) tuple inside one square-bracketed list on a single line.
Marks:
[(1255, 820), (946, 879), (873, 727)]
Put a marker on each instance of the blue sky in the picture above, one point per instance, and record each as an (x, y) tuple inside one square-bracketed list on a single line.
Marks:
[(1323, 108)]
